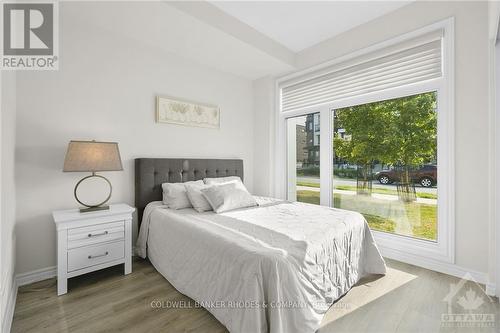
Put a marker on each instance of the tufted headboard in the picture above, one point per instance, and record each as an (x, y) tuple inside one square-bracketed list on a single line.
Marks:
[(150, 173)]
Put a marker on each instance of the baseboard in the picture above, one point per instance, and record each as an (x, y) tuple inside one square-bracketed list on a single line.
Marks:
[(8, 314), (441, 267), (36, 275)]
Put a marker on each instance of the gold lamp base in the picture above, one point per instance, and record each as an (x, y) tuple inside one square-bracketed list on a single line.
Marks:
[(93, 209)]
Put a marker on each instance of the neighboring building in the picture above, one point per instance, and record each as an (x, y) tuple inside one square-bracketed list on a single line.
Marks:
[(301, 138), (312, 139)]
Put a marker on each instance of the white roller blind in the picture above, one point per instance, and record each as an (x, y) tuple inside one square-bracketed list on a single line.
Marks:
[(411, 65)]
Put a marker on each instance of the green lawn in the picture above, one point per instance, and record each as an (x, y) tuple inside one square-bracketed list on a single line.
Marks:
[(308, 197), (374, 190), (308, 184), (411, 219)]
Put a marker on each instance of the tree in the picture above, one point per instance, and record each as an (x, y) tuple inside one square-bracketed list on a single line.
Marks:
[(414, 136), (365, 139), (401, 132), (414, 129)]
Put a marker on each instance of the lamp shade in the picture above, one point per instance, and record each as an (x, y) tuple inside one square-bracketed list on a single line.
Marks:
[(92, 156)]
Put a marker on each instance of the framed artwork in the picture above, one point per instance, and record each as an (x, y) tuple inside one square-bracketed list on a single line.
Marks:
[(171, 110)]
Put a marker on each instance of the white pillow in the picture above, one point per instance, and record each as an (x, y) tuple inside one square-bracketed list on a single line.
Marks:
[(212, 181), (175, 195), (228, 196), (196, 197), (226, 180)]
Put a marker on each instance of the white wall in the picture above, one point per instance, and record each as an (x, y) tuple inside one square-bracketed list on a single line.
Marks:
[(264, 106), (496, 223), (471, 106), (7, 195), (105, 90), (494, 15), (493, 11)]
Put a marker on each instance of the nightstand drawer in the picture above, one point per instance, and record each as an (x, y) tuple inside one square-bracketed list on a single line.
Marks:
[(94, 255), (96, 234)]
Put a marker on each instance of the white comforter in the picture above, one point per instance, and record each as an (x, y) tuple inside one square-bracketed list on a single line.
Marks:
[(273, 268)]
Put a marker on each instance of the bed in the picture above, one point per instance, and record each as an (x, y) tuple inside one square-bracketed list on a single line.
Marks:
[(276, 267)]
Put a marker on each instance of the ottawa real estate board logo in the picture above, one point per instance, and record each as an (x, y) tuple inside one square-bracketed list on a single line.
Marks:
[(30, 35), (469, 307)]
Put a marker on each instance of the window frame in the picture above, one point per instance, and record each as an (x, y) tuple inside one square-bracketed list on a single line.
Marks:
[(408, 249)]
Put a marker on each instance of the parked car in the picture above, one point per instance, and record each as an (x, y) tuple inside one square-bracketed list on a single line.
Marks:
[(426, 176)]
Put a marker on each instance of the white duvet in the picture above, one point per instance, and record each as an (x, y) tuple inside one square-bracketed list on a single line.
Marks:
[(273, 268)]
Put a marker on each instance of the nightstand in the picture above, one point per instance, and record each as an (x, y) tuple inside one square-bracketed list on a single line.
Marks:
[(88, 242)]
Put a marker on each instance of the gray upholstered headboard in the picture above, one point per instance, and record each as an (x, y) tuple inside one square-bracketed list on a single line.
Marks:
[(150, 173)]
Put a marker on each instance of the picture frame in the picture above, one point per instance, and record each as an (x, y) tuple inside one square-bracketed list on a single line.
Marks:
[(172, 110)]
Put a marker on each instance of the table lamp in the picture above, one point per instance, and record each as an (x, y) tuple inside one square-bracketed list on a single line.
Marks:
[(92, 156)]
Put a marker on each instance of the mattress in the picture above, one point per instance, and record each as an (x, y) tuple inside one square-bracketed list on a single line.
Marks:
[(275, 268)]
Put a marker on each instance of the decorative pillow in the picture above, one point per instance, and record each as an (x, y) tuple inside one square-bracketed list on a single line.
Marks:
[(226, 180), (212, 181), (228, 196), (196, 197), (175, 195)]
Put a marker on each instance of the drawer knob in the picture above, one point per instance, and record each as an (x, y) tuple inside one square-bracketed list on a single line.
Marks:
[(101, 234), (99, 255)]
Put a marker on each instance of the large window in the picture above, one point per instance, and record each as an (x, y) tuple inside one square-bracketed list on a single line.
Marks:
[(384, 146)]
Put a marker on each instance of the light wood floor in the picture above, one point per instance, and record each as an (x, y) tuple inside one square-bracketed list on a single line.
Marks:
[(407, 299)]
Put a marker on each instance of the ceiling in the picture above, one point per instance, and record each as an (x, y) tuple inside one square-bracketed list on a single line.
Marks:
[(173, 31), (300, 24)]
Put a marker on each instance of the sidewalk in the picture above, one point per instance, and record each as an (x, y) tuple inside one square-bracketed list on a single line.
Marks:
[(374, 195)]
